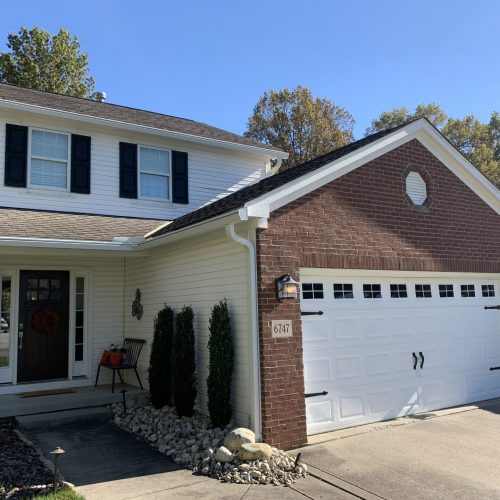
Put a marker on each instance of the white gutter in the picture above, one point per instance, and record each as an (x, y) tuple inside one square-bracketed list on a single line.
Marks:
[(120, 245), (146, 129), (231, 233)]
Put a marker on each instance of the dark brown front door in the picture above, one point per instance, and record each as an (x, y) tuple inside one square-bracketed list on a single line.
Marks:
[(43, 325)]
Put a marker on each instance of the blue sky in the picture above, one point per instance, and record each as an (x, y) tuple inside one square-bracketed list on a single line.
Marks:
[(210, 60)]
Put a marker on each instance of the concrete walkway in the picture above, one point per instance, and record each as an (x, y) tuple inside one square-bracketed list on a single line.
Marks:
[(12, 405), (105, 462)]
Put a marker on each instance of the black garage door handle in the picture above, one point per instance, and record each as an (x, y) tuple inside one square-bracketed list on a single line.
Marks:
[(314, 394), (311, 313), (415, 361), (422, 359)]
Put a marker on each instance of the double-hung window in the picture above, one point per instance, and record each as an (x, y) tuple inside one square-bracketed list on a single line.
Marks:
[(49, 156), (154, 173)]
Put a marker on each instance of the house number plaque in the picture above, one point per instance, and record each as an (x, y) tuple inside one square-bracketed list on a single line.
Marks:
[(282, 328)]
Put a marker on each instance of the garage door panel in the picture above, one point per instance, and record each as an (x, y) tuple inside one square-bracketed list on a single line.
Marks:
[(360, 349), (315, 333), (317, 372)]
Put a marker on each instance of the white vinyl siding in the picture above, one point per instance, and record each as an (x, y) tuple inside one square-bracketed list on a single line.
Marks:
[(199, 273), (49, 159), (154, 173), (213, 173)]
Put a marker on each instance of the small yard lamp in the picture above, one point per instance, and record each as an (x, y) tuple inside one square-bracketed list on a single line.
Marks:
[(124, 392), (58, 451), (287, 287)]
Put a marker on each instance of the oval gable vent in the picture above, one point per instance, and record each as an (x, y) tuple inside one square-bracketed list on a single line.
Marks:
[(416, 188)]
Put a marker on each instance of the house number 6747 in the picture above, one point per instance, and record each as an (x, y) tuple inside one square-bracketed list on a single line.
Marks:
[(282, 328)]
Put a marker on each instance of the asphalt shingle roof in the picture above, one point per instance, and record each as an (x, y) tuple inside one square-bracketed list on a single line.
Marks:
[(122, 114), (239, 198), (70, 226)]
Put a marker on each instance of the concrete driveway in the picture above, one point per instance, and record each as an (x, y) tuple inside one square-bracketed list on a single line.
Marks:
[(441, 455)]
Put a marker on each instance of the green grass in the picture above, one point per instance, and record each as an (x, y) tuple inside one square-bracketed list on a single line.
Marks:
[(4, 361), (65, 494)]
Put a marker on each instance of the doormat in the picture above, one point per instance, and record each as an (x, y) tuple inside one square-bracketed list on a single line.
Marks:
[(50, 392)]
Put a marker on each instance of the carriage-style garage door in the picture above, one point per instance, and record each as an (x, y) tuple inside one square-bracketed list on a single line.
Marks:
[(387, 346)]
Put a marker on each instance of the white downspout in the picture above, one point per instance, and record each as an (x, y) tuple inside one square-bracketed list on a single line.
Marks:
[(254, 326)]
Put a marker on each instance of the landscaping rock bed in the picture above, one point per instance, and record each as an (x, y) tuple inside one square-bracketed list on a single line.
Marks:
[(230, 456), (22, 472)]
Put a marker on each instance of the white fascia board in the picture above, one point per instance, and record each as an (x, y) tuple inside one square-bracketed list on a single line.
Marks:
[(420, 130), (21, 242), (116, 124), (264, 205), (200, 228), (459, 165)]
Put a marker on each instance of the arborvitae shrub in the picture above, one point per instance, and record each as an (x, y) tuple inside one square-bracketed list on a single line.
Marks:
[(220, 347), (160, 359), (184, 363)]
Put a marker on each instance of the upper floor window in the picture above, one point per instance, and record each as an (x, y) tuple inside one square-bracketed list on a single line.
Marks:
[(49, 156), (154, 173)]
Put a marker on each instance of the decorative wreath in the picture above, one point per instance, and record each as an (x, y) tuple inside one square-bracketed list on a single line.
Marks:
[(46, 320)]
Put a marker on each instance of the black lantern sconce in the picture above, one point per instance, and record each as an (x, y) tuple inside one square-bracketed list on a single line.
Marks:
[(287, 287)]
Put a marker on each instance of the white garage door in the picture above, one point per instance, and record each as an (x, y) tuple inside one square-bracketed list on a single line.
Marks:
[(391, 346)]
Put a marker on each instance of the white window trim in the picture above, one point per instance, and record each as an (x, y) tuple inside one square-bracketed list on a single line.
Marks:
[(7, 372), (68, 161), (139, 172)]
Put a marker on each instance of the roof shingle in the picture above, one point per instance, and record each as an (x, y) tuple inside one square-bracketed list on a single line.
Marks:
[(122, 114), (21, 223)]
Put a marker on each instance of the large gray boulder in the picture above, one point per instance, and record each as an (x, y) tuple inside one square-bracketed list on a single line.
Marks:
[(254, 451), (237, 437), (223, 455)]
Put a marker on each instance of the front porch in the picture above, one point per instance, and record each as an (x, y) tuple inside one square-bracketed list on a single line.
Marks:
[(13, 405)]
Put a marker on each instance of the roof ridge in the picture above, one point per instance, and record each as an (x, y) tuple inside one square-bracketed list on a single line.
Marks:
[(104, 103)]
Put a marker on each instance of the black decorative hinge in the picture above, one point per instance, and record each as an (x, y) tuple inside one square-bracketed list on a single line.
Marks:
[(311, 313), (314, 394)]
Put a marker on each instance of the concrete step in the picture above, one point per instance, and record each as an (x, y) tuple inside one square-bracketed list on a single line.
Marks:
[(63, 418)]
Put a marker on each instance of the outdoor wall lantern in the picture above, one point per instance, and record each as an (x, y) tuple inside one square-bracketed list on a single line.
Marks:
[(287, 287)]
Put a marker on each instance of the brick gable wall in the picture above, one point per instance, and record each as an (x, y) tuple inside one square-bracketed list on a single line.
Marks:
[(362, 220)]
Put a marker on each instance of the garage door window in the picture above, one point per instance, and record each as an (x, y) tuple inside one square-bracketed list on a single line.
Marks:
[(372, 291), (343, 291), (468, 290), (423, 291), (399, 291), (312, 290), (446, 291), (488, 290)]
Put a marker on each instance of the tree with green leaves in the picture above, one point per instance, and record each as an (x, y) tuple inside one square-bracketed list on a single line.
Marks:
[(184, 363), (160, 359), (478, 142), (41, 61), (220, 365), (297, 122)]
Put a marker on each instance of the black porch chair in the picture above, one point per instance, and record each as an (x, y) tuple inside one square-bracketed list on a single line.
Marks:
[(131, 350)]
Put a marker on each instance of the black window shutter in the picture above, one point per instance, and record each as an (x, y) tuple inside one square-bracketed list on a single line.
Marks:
[(128, 170), (80, 164), (180, 186), (16, 155)]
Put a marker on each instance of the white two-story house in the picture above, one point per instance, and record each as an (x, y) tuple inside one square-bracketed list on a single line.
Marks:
[(395, 240)]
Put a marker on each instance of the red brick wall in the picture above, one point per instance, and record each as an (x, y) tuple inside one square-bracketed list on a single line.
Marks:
[(361, 221)]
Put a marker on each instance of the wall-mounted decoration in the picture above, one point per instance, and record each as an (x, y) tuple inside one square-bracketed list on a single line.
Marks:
[(137, 308)]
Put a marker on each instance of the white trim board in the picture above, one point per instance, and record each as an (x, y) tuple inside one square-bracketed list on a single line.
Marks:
[(421, 130)]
